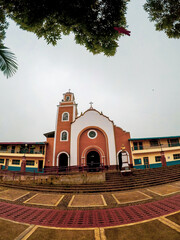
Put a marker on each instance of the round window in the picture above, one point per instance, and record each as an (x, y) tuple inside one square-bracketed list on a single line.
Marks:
[(92, 134)]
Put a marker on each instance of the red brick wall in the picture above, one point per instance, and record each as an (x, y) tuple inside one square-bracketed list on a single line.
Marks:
[(63, 146), (87, 144), (49, 152), (121, 137)]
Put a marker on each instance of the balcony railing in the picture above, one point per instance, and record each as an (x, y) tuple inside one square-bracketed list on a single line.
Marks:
[(161, 146), (22, 151)]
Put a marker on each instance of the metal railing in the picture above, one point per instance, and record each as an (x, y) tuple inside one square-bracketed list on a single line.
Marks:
[(22, 151), (161, 146), (66, 170), (60, 170)]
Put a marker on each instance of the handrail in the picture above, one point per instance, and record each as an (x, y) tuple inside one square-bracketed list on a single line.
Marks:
[(21, 152), (160, 146), (60, 170)]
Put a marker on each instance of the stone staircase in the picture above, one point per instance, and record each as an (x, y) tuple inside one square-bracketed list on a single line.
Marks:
[(115, 181)]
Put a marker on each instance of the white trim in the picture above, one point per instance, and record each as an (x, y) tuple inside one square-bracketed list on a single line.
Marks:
[(57, 162), (73, 104), (92, 120), (61, 136), (92, 130), (74, 111), (63, 119), (54, 148), (127, 155)]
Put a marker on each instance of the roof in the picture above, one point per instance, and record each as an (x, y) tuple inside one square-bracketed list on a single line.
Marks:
[(49, 134), (151, 138), (21, 143), (92, 109)]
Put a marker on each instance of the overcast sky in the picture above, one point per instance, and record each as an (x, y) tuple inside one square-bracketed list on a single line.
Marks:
[(138, 88)]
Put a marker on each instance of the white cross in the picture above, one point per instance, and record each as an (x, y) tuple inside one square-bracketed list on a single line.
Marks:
[(91, 103), (69, 90)]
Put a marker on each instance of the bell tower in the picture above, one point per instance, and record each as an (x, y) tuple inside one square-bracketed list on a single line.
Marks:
[(66, 114)]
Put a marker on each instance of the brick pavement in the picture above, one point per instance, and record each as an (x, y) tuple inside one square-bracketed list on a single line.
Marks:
[(90, 218)]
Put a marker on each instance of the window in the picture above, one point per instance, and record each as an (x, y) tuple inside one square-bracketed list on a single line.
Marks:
[(29, 163), (31, 150), (1, 160), (24, 148), (137, 161), (176, 156), (157, 158), (13, 149), (64, 136), (67, 98), (42, 149), (3, 148), (135, 145), (15, 162), (173, 142), (154, 143), (92, 134), (65, 116), (138, 145)]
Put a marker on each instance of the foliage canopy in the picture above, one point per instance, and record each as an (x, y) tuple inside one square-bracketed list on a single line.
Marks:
[(91, 21), (166, 14)]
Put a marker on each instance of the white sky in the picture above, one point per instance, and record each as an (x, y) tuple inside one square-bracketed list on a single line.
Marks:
[(138, 88)]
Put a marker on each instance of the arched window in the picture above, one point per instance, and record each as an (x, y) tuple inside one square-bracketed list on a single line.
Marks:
[(67, 98), (64, 136), (65, 116)]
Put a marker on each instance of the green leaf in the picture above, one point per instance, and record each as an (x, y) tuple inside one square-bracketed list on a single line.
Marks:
[(8, 63)]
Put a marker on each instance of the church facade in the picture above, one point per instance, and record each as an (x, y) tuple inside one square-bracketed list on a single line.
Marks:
[(90, 139)]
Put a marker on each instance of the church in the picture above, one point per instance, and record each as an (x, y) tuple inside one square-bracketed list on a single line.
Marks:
[(89, 140)]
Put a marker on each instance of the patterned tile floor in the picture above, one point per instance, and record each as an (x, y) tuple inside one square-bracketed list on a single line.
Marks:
[(84, 200), (165, 189), (12, 194), (45, 199), (130, 196), (90, 218), (103, 216)]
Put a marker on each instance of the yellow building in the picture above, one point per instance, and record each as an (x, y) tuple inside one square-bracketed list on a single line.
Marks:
[(12, 155), (148, 152)]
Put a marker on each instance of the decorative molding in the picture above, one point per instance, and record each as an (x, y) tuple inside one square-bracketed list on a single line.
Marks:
[(92, 109)]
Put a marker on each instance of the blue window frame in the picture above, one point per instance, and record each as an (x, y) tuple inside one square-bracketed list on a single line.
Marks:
[(29, 163), (1, 160), (137, 161), (15, 162), (157, 158), (176, 156)]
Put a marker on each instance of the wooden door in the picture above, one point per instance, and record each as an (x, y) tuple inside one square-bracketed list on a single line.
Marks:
[(146, 162)]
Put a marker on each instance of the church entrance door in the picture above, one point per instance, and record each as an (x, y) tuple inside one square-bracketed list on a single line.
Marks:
[(93, 161), (63, 162)]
